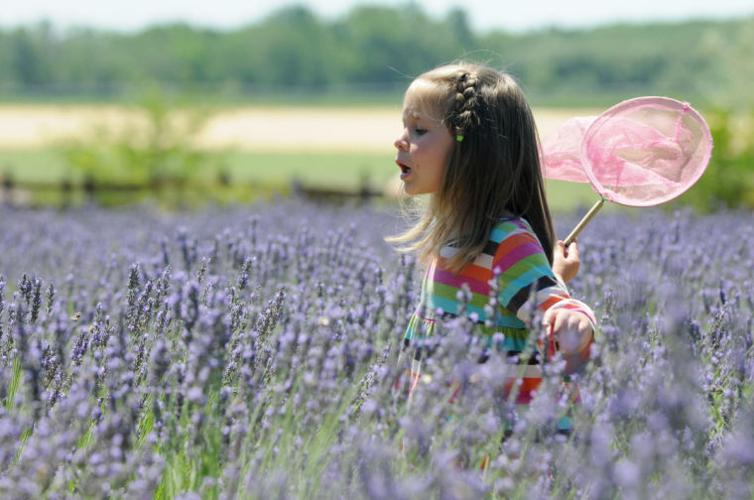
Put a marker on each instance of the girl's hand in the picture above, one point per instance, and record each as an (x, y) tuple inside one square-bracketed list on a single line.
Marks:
[(565, 260), (572, 329)]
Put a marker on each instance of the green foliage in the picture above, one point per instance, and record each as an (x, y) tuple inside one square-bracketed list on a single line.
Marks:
[(728, 181), (156, 150), (377, 49), (10, 399)]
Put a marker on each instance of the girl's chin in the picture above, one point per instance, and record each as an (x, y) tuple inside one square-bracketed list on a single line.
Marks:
[(411, 190)]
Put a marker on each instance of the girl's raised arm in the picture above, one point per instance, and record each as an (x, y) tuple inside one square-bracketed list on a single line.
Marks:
[(525, 275)]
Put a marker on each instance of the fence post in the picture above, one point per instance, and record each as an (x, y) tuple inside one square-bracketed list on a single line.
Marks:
[(364, 191), (89, 189), (66, 187), (223, 178), (297, 189), (7, 189)]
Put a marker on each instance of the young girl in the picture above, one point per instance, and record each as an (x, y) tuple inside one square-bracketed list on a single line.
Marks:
[(469, 142)]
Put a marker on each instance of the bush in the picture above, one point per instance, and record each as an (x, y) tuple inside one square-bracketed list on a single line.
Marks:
[(728, 181), (157, 150)]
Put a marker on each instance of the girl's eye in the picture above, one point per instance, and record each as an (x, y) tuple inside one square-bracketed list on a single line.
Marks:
[(420, 131)]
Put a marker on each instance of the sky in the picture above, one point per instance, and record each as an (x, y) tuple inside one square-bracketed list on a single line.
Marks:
[(484, 15)]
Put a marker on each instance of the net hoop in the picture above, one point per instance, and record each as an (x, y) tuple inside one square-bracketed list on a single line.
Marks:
[(658, 103)]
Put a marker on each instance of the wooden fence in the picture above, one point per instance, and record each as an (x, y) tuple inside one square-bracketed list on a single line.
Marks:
[(69, 192)]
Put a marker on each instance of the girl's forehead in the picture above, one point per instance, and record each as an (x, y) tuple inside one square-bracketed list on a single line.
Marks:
[(422, 100)]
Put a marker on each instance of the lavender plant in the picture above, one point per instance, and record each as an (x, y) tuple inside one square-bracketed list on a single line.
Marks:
[(257, 352)]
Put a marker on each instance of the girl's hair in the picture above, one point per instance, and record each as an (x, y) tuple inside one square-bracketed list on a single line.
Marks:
[(493, 170)]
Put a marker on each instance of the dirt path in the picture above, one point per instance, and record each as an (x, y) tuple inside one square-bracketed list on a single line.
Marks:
[(249, 128)]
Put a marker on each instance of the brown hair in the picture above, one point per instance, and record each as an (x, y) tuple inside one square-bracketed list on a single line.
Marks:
[(492, 172)]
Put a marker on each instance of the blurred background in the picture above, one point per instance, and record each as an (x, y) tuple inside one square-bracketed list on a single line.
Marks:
[(188, 103)]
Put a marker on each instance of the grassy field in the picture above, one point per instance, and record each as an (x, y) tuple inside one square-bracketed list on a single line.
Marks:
[(339, 170)]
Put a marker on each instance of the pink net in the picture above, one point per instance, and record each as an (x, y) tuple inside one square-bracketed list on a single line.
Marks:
[(640, 152), (562, 152)]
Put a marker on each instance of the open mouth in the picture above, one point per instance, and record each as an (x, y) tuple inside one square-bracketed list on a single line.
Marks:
[(405, 169)]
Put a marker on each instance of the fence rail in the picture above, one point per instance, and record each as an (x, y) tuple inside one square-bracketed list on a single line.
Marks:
[(91, 191)]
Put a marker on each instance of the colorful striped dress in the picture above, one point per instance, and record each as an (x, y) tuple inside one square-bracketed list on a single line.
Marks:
[(515, 258)]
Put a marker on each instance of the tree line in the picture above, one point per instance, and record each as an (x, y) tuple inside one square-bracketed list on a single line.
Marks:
[(373, 50)]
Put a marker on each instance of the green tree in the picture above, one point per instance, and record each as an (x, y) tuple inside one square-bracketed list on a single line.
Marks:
[(291, 48), (160, 150), (384, 47), (30, 57), (728, 181)]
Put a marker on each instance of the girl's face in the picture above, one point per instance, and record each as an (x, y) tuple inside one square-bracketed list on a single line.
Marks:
[(424, 148)]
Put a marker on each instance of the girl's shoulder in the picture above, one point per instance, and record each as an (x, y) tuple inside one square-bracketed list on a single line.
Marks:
[(508, 226)]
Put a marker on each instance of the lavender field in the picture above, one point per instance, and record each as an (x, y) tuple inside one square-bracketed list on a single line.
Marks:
[(255, 352)]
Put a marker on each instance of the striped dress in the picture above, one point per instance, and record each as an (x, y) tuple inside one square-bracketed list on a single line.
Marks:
[(515, 258)]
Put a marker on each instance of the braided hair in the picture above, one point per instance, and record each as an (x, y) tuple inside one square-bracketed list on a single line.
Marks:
[(462, 116)]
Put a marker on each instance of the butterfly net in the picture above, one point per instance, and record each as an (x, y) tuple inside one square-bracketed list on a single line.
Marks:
[(640, 152)]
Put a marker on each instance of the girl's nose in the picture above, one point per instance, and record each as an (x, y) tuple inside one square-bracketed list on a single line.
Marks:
[(401, 143)]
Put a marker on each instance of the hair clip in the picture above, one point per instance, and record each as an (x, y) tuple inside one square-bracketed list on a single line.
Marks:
[(459, 138)]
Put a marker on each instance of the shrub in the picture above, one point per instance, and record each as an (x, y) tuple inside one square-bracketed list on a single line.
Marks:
[(728, 181), (155, 151)]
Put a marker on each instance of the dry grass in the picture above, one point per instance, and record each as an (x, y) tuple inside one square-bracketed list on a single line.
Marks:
[(262, 129)]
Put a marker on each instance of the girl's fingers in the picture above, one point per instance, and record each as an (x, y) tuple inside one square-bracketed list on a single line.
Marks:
[(575, 322), (563, 320), (572, 330), (573, 251)]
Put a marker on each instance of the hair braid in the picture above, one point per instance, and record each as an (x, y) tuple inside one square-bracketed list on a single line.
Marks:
[(462, 116)]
